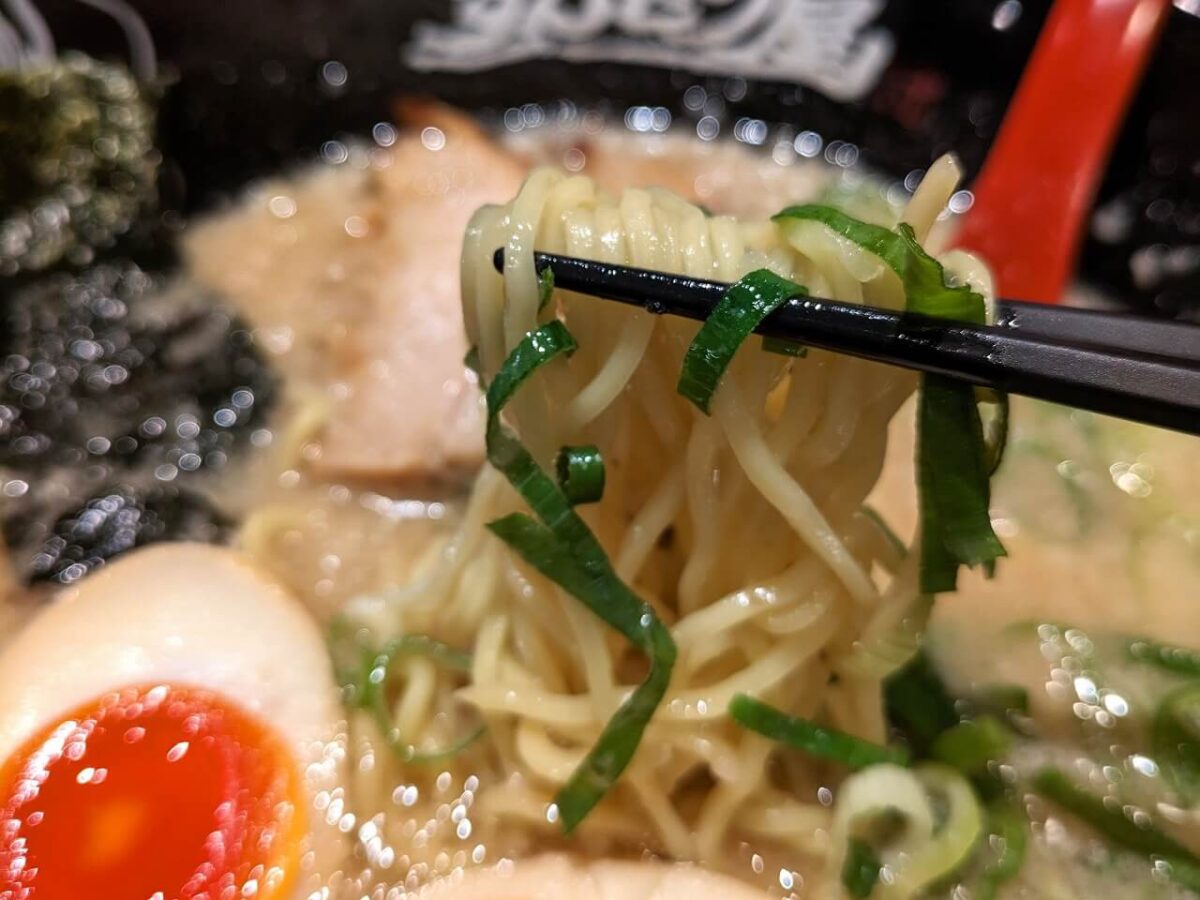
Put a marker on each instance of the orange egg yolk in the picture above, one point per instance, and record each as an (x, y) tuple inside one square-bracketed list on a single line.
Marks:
[(150, 793)]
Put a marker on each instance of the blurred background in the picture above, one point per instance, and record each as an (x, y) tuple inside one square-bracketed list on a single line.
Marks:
[(889, 84)]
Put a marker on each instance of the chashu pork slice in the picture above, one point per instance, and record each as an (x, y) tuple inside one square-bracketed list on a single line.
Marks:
[(351, 279), (412, 407)]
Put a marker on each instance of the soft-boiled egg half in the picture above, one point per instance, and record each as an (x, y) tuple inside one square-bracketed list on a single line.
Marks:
[(166, 727)]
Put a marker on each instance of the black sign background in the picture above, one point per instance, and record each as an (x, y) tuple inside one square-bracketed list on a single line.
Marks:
[(248, 97)]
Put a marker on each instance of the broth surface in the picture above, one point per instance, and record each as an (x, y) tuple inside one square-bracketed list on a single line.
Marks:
[(344, 506)]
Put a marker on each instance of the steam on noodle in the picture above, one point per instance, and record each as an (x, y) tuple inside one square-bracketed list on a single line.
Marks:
[(744, 531)]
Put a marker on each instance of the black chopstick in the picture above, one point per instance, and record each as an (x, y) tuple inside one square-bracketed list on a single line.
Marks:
[(1159, 337), (1159, 386)]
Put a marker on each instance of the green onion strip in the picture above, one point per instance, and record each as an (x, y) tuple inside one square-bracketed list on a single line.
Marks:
[(373, 698), (1175, 739), (363, 672), (732, 320), (1008, 840), (995, 427), (893, 541), (545, 288), (784, 347), (561, 546), (972, 744), (1168, 657), (860, 871), (953, 459), (1119, 828), (813, 739), (923, 277), (580, 473), (917, 703)]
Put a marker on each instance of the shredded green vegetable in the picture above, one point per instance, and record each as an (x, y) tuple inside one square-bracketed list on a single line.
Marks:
[(423, 645), (860, 871), (535, 350), (889, 535), (957, 830), (813, 739), (545, 287), (1002, 699), (580, 473), (739, 312), (1175, 738), (969, 746), (995, 427), (563, 548), (1180, 660), (365, 685), (1111, 823), (1008, 839), (952, 481), (953, 460), (1034, 517), (606, 596), (917, 703), (923, 277), (784, 347), (347, 645), (1186, 874)]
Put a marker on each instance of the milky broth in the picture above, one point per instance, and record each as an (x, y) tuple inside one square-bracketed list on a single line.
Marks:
[(1101, 519)]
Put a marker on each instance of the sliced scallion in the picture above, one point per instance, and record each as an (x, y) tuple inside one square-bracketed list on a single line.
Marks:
[(893, 540), (860, 871), (347, 643), (953, 459), (917, 703), (535, 350), (952, 481), (969, 746), (422, 645), (995, 427), (784, 347), (608, 597), (1180, 660), (545, 288), (815, 740), (1184, 873), (1175, 738), (1008, 839), (958, 828), (1111, 823), (580, 473), (1002, 699), (744, 306), (370, 693), (563, 548), (923, 277)]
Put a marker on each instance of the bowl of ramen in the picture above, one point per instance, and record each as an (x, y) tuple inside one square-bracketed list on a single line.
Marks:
[(339, 564)]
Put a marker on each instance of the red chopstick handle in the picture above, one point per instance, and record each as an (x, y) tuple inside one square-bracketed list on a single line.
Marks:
[(1040, 177)]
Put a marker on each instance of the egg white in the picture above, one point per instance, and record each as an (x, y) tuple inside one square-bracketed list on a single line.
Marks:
[(186, 615)]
